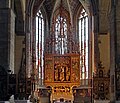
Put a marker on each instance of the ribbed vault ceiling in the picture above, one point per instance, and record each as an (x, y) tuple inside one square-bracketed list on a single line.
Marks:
[(51, 5), (72, 5)]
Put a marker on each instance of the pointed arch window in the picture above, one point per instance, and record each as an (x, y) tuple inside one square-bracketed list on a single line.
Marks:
[(39, 45), (61, 35), (83, 44)]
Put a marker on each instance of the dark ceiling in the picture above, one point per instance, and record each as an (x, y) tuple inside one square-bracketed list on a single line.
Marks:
[(51, 5), (72, 6)]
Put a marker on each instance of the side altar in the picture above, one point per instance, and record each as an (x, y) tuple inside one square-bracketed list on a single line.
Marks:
[(61, 75)]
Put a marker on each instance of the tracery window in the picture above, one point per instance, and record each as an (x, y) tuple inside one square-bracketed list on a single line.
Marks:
[(61, 39), (61, 35), (83, 44), (39, 45)]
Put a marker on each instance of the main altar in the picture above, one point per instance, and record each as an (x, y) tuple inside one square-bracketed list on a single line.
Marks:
[(61, 75)]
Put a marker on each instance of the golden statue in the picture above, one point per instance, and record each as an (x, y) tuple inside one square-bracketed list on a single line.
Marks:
[(67, 74), (62, 76)]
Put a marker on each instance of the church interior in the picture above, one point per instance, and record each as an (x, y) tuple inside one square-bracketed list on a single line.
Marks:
[(60, 51)]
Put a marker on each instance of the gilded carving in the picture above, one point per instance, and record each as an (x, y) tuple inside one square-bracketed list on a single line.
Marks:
[(75, 69), (48, 70), (62, 89), (62, 69), (101, 84), (62, 73)]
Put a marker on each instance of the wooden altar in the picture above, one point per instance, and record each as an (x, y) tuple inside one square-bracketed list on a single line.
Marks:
[(62, 74), (101, 83)]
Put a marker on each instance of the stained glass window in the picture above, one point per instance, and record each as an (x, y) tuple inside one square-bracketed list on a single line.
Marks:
[(61, 35), (83, 44), (39, 45)]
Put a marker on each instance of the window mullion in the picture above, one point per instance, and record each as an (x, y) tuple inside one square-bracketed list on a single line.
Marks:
[(85, 45), (38, 51)]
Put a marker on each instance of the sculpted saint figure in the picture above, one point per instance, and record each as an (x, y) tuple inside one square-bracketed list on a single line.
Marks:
[(62, 74)]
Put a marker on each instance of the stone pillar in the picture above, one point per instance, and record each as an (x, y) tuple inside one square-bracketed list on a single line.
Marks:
[(96, 52), (28, 45), (11, 40), (112, 56), (7, 34), (115, 50), (7, 20)]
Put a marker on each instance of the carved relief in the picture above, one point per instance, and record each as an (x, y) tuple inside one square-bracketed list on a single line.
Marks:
[(101, 84), (62, 68), (62, 73), (62, 89), (75, 69), (48, 70)]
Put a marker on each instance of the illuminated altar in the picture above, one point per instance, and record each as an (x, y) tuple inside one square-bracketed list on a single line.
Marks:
[(62, 57), (62, 74)]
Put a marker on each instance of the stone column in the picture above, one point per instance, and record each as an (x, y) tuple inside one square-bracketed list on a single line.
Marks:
[(28, 28), (112, 56), (7, 22), (115, 50)]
